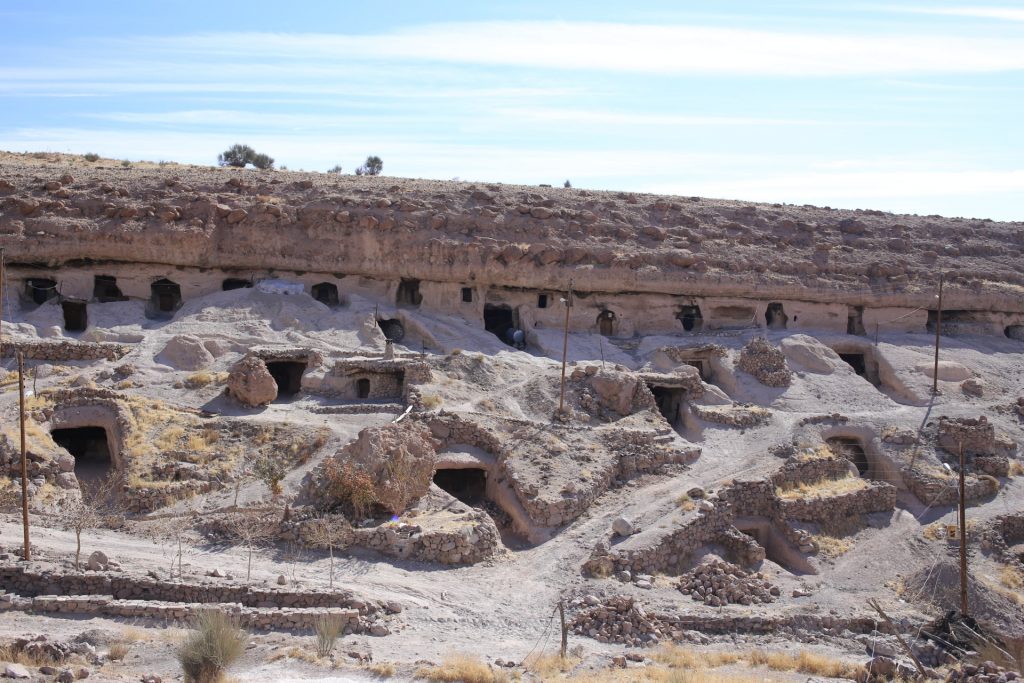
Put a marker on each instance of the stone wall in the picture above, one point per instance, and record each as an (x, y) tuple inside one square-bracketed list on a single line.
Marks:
[(935, 490), (65, 350), (876, 497)]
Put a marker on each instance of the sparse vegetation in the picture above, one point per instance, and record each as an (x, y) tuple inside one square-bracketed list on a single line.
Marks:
[(462, 669), (327, 628), (91, 156), (350, 487), (271, 471), (335, 169), (215, 643), (118, 651), (685, 503), (431, 401), (330, 533), (95, 507), (822, 488), (372, 166), (239, 156)]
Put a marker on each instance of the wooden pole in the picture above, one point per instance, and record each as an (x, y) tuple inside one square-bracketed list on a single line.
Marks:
[(938, 331), (565, 628), (3, 293), (565, 349), (963, 535), (873, 604), (27, 550)]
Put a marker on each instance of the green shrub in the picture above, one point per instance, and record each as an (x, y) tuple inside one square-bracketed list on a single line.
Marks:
[(215, 643), (372, 166), (240, 155), (92, 156)]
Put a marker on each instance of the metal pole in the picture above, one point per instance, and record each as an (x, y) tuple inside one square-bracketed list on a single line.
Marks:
[(963, 536), (27, 550), (565, 348), (938, 331)]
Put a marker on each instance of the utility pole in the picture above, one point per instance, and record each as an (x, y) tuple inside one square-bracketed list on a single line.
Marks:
[(963, 535), (565, 349), (27, 550), (938, 331), (3, 293), (565, 628)]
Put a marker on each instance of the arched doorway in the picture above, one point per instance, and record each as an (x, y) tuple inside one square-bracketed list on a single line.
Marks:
[(165, 296), (326, 293), (363, 388), (775, 317), (606, 323)]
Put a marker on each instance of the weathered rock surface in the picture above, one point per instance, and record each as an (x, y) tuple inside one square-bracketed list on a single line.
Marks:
[(251, 384)]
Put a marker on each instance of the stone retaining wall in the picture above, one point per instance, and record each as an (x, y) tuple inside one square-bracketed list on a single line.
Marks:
[(65, 350), (941, 491), (877, 497)]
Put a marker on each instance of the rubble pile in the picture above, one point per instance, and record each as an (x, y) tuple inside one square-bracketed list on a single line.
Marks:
[(986, 672), (619, 619), (718, 583), (765, 362)]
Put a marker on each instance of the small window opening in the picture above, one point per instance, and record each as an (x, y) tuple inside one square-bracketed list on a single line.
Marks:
[(702, 368), (287, 375), (76, 318), (363, 388), (855, 321), (691, 318), (851, 449), (105, 289), (669, 400), (542, 301), (39, 290), (90, 448), (468, 485), (408, 293), (1014, 332), (165, 296), (467, 295), (775, 317), (393, 329), (235, 283), (326, 293), (606, 323), (500, 320), (857, 362)]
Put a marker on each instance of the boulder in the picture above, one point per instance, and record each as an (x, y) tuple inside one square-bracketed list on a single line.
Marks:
[(15, 671), (66, 463), (66, 480), (622, 527), (251, 384), (97, 561), (949, 371), (185, 353), (810, 354), (972, 387), (615, 390)]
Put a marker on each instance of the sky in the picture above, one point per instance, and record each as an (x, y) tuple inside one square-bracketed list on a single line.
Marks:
[(915, 107)]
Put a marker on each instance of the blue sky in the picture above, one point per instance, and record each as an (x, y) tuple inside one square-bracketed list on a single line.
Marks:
[(914, 107)]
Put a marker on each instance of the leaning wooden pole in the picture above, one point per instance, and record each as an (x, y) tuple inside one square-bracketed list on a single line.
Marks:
[(27, 548), (565, 349), (963, 535), (938, 331)]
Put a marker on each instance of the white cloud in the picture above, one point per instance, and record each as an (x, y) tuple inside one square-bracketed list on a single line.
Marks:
[(999, 13), (616, 47)]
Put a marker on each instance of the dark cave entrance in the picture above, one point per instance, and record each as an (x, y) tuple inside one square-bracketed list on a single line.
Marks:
[(393, 329), (606, 323), (852, 449), (105, 289), (691, 318), (326, 293), (363, 388), (165, 296), (855, 321), (235, 283), (467, 295), (669, 400), (542, 301), (76, 317), (408, 293), (498, 320), (1014, 332), (856, 361), (287, 375), (39, 290), (468, 485), (775, 316), (90, 448)]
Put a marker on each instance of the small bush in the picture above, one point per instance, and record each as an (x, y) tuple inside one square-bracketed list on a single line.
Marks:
[(335, 169), (372, 166), (238, 156), (327, 627), (118, 651), (91, 156), (125, 163), (460, 669), (350, 486), (215, 643)]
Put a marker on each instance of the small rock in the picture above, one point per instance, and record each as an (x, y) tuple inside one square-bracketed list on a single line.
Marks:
[(66, 676), (622, 527), (619, 661), (97, 561), (216, 573), (281, 581), (641, 583), (379, 630), (696, 493)]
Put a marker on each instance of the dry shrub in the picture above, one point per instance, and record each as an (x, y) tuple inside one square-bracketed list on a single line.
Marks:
[(1016, 468), (832, 547), (215, 643), (549, 666), (805, 662), (350, 486), (327, 628), (462, 669), (382, 669), (431, 401), (200, 379), (118, 651), (685, 503), (16, 655)]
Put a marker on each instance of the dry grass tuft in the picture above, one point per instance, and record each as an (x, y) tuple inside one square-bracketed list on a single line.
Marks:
[(550, 666), (327, 627), (805, 662), (822, 488), (685, 503), (118, 651), (15, 655), (831, 546), (214, 644), (382, 669), (462, 669), (431, 401)]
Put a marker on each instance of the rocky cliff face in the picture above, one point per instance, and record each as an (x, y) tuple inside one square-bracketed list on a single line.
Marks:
[(65, 211)]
